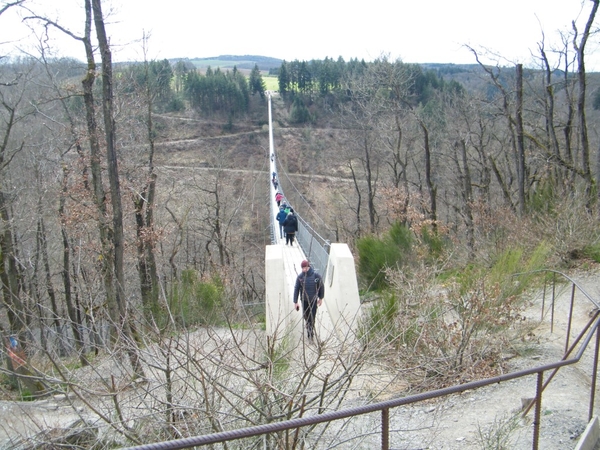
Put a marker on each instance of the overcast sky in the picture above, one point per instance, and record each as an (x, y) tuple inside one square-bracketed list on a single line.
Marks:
[(414, 31)]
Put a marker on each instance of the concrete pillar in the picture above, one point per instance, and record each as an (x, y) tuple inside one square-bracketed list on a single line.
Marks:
[(341, 292), (282, 321), (275, 295), (338, 316)]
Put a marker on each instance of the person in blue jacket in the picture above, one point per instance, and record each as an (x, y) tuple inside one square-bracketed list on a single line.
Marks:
[(280, 217), (311, 290)]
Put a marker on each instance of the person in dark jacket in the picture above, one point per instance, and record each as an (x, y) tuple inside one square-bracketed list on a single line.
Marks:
[(311, 290), (280, 217), (290, 226)]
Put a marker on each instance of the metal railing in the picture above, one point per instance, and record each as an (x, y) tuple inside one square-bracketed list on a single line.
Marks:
[(313, 245), (581, 342)]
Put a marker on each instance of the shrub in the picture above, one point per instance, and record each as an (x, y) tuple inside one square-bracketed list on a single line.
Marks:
[(456, 325), (380, 321), (434, 243), (376, 255), (500, 435), (592, 251), (543, 199), (194, 301), (300, 113)]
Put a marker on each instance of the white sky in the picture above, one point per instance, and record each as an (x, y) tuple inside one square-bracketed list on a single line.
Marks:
[(414, 31)]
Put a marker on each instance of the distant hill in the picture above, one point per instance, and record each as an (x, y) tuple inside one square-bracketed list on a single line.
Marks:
[(228, 62), (245, 63), (470, 75)]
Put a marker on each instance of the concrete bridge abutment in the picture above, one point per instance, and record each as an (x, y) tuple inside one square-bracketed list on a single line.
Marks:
[(336, 318)]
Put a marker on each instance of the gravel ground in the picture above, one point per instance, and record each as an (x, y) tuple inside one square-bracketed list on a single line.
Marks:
[(487, 418), (490, 418)]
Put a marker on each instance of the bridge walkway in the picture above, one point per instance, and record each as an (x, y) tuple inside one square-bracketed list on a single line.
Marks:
[(337, 315)]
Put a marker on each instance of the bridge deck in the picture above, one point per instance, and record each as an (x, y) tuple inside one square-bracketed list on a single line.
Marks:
[(292, 258)]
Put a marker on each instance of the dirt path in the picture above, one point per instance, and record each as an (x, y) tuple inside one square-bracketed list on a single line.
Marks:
[(489, 418)]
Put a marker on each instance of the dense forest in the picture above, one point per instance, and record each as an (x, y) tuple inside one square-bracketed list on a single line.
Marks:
[(134, 212)]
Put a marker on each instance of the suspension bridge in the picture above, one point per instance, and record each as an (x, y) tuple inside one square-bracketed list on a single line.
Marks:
[(337, 316)]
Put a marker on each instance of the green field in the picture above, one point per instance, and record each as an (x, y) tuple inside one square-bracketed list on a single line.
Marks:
[(244, 66), (243, 63), (271, 83)]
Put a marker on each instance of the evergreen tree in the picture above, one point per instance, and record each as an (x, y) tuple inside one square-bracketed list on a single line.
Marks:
[(284, 79), (257, 85), (161, 74), (218, 93), (181, 69), (158, 77), (299, 113)]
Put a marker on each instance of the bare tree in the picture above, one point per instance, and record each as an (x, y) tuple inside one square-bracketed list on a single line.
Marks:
[(520, 139), (510, 121), (583, 130), (117, 237), (364, 113), (13, 111), (144, 198)]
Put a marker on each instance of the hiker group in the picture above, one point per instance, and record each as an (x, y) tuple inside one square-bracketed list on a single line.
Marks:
[(288, 222), (309, 288)]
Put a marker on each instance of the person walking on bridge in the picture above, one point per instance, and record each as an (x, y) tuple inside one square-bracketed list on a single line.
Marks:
[(290, 226), (311, 289), (278, 198), (280, 217)]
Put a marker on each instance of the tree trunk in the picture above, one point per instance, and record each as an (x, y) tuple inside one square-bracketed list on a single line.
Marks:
[(146, 262), (96, 169), (9, 274), (358, 199), (150, 270), (370, 184), (520, 140), (72, 311), (583, 132), (43, 251), (431, 189), (115, 188), (549, 102), (111, 156), (467, 190)]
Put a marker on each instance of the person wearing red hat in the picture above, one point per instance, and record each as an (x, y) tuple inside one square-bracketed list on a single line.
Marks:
[(311, 289)]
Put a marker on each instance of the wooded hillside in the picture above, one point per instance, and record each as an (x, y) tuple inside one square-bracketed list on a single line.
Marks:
[(134, 208)]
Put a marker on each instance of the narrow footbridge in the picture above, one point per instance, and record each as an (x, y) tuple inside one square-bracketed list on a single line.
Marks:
[(337, 317)]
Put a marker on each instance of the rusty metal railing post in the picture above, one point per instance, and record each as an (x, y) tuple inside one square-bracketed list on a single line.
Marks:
[(553, 300), (385, 429), (538, 410), (568, 336), (544, 298), (594, 375)]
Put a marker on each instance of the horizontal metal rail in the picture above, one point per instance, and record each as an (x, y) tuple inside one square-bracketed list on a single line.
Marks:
[(313, 245)]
